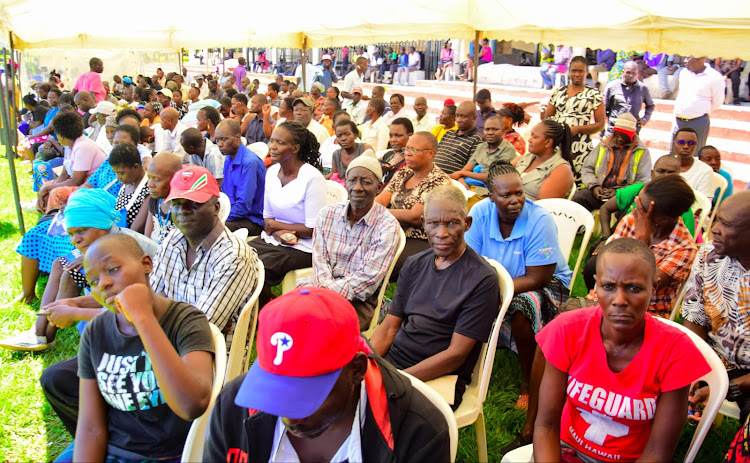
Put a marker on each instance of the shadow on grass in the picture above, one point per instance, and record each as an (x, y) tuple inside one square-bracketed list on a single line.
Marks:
[(7, 229)]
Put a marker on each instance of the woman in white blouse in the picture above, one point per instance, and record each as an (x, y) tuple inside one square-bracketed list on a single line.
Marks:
[(295, 192)]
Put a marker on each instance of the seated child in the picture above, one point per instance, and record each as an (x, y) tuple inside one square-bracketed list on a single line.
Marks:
[(145, 364)]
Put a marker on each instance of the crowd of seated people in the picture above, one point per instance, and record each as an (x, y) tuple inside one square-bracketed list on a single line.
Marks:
[(159, 234)]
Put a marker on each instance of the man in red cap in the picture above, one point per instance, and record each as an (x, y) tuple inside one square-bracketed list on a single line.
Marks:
[(617, 161), (317, 392), (201, 262), (327, 76)]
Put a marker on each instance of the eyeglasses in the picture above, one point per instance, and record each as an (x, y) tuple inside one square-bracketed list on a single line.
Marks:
[(409, 150), (689, 142)]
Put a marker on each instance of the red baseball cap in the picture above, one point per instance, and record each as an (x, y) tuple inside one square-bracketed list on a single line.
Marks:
[(194, 183), (449, 101), (305, 338)]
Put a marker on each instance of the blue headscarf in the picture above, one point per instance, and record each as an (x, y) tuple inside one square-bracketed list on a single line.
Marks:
[(91, 208)]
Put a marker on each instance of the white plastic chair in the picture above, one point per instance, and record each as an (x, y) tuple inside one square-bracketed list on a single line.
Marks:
[(678, 300), (384, 285), (441, 405), (703, 204), (244, 331), (571, 193), (224, 207), (196, 438), (721, 184), (335, 192), (569, 216), (259, 148), (468, 194), (471, 410), (718, 383), (730, 409)]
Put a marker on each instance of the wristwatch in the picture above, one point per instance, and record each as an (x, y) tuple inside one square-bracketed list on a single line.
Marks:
[(734, 393)]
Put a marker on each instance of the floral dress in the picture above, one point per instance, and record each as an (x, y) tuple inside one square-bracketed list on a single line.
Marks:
[(622, 58), (576, 110), (517, 141)]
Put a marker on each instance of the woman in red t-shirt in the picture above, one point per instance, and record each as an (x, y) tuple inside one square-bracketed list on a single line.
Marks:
[(613, 372)]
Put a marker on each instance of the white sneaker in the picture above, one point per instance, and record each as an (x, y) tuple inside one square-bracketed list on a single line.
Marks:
[(27, 341)]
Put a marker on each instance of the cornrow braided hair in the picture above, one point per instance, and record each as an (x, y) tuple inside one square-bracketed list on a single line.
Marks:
[(578, 59), (497, 169), (309, 149), (559, 133)]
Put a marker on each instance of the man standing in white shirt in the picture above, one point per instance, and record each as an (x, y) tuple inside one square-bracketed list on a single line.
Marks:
[(414, 65), (303, 112), (167, 137), (701, 91), (354, 80), (375, 132), (421, 121)]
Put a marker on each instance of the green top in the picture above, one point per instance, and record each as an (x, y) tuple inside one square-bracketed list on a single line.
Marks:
[(625, 198)]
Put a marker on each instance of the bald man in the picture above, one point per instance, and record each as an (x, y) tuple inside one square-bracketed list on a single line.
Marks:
[(167, 134), (244, 179), (457, 146), (716, 301), (84, 101), (422, 121), (202, 152), (160, 172)]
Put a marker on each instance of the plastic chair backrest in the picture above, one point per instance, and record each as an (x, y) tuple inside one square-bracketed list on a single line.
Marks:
[(572, 192), (224, 207), (384, 285), (718, 383), (721, 184), (335, 192), (468, 194), (196, 438), (244, 331), (703, 204), (483, 368), (569, 217), (441, 405)]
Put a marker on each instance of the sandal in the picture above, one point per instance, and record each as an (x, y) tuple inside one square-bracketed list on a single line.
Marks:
[(523, 401)]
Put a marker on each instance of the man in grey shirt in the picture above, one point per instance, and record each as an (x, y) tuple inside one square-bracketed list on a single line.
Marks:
[(627, 95)]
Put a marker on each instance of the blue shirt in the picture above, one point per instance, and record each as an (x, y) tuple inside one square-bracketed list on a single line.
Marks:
[(533, 241), (326, 77), (104, 176), (244, 183)]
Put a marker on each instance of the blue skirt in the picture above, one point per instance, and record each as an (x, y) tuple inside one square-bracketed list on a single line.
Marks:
[(37, 244)]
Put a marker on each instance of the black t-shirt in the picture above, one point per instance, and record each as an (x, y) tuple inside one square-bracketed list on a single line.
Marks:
[(39, 113), (464, 298), (140, 423)]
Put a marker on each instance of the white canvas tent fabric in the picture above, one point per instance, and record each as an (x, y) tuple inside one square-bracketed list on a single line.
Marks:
[(715, 28)]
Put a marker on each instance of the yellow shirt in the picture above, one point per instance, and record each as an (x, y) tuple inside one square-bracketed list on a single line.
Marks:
[(440, 130), (327, 122)]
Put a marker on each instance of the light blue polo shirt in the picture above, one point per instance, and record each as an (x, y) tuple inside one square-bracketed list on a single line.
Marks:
[(533, 241)]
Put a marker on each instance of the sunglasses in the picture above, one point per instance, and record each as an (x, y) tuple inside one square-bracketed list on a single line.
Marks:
[(688, 142)]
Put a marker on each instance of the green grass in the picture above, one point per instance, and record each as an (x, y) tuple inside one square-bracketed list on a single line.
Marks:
[(30, 430)]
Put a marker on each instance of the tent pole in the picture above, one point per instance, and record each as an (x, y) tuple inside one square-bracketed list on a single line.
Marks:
[(9, 122), (476, 62), (179, 61), (303, 62)]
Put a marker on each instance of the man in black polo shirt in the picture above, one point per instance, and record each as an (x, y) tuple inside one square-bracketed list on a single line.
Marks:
[(457, 146), (446, 300)]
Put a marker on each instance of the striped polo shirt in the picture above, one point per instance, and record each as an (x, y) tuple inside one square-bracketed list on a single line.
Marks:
[(455, 149)]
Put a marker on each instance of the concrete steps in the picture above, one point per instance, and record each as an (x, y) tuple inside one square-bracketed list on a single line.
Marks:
[(730, 125)]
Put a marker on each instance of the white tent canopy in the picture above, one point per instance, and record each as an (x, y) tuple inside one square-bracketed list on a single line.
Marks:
[(716, 28)]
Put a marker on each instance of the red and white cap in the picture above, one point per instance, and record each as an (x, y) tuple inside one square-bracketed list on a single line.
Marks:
[(194, 183), (305, 338)]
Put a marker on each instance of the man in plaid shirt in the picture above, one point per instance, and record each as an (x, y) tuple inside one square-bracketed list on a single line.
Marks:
[(355, 241)]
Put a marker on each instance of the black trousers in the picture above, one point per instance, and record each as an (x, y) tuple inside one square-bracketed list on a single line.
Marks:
[(278, 260), (253, 229), (587, 199), (60, 386)]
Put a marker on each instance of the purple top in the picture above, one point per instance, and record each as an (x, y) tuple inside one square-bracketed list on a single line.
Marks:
[(239, 74), (606, 57)]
